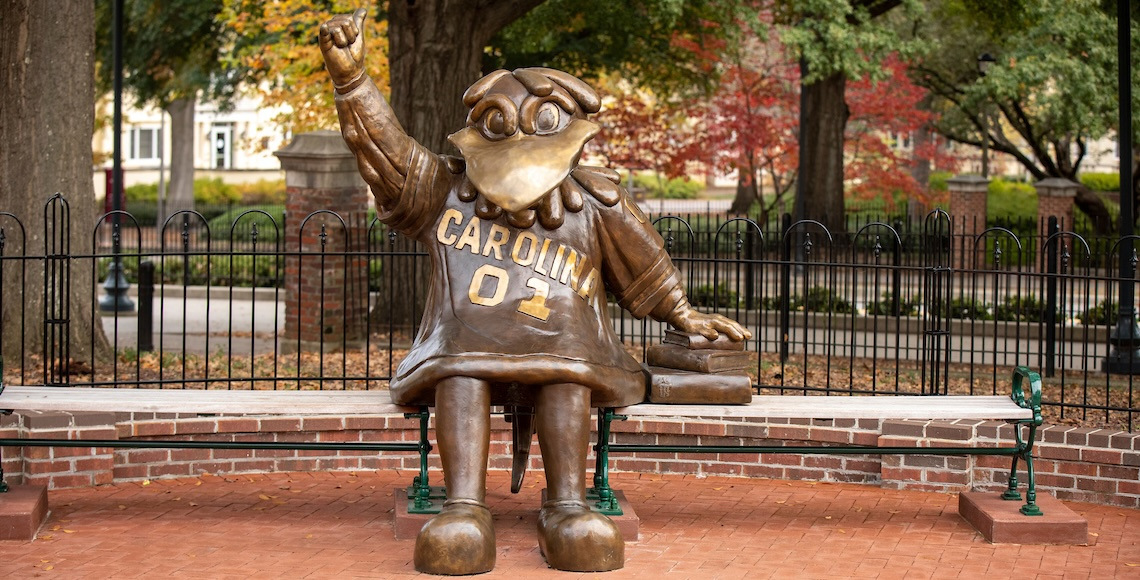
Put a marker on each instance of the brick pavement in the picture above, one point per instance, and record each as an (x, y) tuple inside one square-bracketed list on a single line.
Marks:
[(323, 525)]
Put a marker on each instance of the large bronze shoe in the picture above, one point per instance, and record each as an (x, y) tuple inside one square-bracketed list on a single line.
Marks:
[(460, 540), (575, 539)]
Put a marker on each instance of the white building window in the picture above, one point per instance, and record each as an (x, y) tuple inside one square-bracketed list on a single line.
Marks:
[(144, 143)]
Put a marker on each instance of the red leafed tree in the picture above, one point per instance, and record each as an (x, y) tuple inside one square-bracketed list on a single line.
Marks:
[(748, 125), (879, 154), (639, 130)]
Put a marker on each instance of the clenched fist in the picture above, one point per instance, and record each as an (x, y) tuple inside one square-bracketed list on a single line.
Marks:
[(342, 43)]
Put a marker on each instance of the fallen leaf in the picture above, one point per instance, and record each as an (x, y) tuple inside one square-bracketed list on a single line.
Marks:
[(47, 537), (309, 536), (122, 507), (264, 497), (55, 528), (1131, 564), (192, 504), (69, 531), (45, 561), (827, 517), (842, 531), (782, 501), (199, 482), (49, 567), (1094, 534), (146, 482), (892, 511)]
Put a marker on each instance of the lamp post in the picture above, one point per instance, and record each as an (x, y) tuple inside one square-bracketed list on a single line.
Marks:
[(115, 285), (985, 61), (1125, 337)]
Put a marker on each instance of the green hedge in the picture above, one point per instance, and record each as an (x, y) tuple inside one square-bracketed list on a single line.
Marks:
[(1101, 181), (676, 188)]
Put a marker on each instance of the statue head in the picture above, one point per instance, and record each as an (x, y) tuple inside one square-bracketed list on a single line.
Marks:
[(525, 133)]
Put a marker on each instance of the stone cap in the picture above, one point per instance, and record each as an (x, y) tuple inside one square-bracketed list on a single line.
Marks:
[(968, 184), (1056, 187), (320, 151), (319, 160)]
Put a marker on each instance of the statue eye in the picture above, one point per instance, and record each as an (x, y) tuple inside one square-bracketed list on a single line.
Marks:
[(548, 118), (495, 122)]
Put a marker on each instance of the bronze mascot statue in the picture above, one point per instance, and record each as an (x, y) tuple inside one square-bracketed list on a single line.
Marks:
[(524, 243)]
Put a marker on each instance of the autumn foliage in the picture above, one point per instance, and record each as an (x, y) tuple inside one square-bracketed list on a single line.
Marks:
[(748, 126), (283, 52)]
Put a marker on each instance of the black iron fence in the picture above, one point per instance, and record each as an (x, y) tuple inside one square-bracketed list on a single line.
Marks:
[(889, 306)]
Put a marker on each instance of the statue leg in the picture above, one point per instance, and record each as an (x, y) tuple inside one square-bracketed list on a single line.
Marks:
[(461, 539), (570, 535)]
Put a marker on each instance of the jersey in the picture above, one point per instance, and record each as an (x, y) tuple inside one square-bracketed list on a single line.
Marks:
[(517, 307)]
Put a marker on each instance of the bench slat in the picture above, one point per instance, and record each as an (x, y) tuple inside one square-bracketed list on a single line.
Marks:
[(19, 398), (882, 407)]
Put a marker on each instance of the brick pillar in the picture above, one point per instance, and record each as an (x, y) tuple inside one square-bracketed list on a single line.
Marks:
[(1055, 198), (326, 284), (968, 195)]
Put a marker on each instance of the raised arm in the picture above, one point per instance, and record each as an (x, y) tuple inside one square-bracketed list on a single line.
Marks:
[(386, 155)]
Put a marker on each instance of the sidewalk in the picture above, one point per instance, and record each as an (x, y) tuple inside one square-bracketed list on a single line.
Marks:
[(325, 525)]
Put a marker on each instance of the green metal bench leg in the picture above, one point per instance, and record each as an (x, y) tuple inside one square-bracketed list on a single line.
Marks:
[(1030, 508), (420, 492), (1025, 448), (1011, 493), (602, 494)]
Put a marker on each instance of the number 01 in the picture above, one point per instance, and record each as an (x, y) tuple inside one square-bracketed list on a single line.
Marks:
[(534, 306)]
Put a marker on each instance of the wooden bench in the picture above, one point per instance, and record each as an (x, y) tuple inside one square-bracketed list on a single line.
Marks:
[(220, 402), (1019, 409)]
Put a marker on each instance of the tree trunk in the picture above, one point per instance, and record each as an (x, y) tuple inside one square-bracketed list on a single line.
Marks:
[(920, 170), (435, 51), (1135, 182), (180, 194), (747, 190), (823, 118), (47, 306)]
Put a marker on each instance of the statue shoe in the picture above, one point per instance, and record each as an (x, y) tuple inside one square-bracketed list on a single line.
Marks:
[(460, 540), (575, 539)]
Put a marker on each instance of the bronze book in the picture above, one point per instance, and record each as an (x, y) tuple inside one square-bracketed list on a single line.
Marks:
[(688, 388), (672, 356), (692, 340)]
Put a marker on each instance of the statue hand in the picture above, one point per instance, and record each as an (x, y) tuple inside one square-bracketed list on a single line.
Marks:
[(708, 325), (342, 43)]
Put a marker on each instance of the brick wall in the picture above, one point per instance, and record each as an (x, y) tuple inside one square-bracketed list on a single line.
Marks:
[(1078, 464)]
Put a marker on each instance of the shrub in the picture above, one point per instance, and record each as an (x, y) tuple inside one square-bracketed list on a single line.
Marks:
[(214, 191), (261, 192), (1101, 181), (676, 188), (968, 309), (719, 296), (885, 307), (821, 299), (938, 180), (141, 192), (1010, 200), (1102, 314), (266, 230), (1022, 308)]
